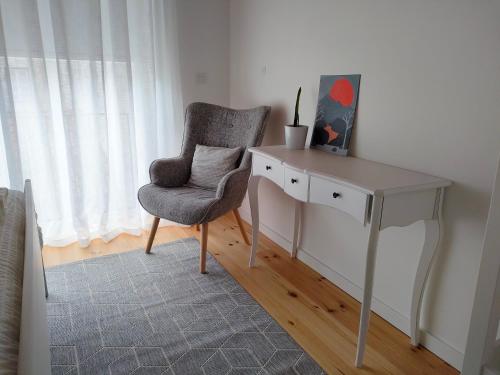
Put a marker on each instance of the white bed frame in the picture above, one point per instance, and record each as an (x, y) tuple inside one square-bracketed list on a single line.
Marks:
[(34, 352)]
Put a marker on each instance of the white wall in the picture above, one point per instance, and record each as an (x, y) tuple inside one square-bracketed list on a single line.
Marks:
[(204, 50), (429, 101)]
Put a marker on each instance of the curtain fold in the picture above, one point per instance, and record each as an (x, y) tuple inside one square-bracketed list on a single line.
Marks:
[(90, 95)]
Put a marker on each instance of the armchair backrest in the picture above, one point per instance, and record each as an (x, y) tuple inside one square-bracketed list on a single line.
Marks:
[(216, 126)]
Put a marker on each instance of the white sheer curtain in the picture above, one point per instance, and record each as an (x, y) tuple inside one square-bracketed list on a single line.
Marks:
[(89, 97)]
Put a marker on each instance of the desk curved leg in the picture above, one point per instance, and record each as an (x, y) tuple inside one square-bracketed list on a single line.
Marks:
[(431, 242), (424, 264), (369, 273), (253, 191)]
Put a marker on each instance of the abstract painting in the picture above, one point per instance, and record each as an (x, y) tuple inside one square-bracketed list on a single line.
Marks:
[(337, 101)]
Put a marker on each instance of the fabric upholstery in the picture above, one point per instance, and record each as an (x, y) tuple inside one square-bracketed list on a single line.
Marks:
[(210, 164), (12, 234), (170, 172), (209, 125), (186, 204)]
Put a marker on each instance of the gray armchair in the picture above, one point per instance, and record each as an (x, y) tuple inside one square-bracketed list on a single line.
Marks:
[(168, 197)]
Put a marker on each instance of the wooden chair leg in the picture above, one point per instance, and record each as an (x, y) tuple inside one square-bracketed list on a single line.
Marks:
[(197, 227), (154, 227), (203, 247), (240, 224)]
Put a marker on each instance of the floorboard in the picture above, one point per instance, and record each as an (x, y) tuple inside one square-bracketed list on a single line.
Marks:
[(321, 318)]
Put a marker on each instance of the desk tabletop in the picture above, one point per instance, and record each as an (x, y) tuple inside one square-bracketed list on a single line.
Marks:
[(369, 176)]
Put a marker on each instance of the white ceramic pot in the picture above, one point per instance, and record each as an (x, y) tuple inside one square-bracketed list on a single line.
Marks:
[(295, 136)]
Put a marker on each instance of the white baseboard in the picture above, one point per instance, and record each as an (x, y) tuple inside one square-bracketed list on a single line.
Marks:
[(442, 349), (493, 366), (394, 317), (490, 371)]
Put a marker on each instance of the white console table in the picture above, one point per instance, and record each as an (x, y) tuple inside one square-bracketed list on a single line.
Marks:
[(374, 194)]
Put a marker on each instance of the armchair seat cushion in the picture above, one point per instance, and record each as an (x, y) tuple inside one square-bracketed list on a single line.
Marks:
[(184, 205)]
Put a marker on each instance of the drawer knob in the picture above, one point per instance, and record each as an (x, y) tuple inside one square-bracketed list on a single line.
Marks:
[(294, 180), (336, 195), (268, 167)]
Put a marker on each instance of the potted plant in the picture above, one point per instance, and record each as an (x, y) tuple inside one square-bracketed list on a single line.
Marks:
[(295, 135)]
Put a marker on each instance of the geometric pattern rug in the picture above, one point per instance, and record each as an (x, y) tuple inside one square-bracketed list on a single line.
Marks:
[(132, 313)]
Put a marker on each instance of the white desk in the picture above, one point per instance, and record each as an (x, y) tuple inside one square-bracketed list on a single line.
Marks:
[(375, 194)]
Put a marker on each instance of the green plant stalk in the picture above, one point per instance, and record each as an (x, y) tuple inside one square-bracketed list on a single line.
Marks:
[(296, 116)]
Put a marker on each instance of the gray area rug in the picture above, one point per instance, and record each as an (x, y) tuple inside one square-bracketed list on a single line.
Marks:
[(133, 313)]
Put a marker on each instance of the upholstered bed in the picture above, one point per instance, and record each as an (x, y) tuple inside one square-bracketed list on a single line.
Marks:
[(24, 340)]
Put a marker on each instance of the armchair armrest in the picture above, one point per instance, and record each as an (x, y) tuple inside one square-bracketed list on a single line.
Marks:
[(233, 185), (229, 194), (169, 172)]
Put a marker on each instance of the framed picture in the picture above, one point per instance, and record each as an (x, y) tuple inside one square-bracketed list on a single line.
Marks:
[(337, 101)]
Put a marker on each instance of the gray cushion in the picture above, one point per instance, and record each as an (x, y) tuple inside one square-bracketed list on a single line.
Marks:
[(210, 164), (184, 205)]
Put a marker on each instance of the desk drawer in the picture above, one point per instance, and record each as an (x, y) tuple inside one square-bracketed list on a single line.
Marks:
[(296, 184), (269, 168), (329, 193)]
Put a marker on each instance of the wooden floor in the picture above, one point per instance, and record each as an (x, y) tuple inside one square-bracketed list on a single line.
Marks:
[(320, 317)]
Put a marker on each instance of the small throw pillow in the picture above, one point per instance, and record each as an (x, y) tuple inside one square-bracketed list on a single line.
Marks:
[(210, 164)]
